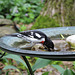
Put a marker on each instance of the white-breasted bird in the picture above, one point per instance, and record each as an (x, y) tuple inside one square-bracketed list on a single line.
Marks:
[(35, 37)]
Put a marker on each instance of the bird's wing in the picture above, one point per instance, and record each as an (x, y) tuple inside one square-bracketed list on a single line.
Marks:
[(30, 36), (34, 36)]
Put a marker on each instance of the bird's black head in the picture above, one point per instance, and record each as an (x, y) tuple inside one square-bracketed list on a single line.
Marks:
[(49, 44)]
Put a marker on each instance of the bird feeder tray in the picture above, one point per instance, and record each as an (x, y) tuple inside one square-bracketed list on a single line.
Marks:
[(7, 41)]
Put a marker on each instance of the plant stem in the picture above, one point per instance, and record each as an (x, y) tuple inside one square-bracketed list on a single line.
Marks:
[(28, 65)]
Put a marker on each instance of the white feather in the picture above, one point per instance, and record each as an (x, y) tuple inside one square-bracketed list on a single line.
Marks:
[(29, 39), (38, 35), (31, 33)]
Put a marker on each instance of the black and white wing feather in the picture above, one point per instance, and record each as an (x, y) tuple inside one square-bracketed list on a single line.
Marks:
[(30, 36)]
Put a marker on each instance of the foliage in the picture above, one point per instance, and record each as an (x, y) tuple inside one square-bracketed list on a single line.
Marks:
[(63, 71), (38, 64), (10, 67), (68, 72), (44, 22), (22, 28), (46, 73), (23, 11), (17, 58), (60, 69), (6, 60), (56, 62)]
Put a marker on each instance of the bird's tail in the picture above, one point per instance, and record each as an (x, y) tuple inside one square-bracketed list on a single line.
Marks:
[(13, 35)]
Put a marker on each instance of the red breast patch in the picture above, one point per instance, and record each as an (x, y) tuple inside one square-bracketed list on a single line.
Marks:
[(42, 42)]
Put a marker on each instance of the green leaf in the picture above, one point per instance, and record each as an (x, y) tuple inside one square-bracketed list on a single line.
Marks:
[(34, 6), (16, 19), (1, 16), (68, 72), (40, 63), (46, 73), (23, 27), (31, 15), (16, 58), (8, 16), (28, 57), (17, 14), (72, 72), (27, 5), (10, 67), (14, 10), (60, 69), (7, 73)]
